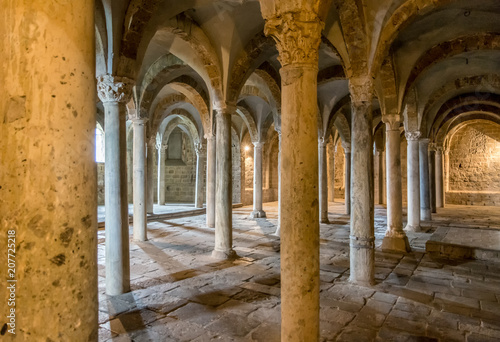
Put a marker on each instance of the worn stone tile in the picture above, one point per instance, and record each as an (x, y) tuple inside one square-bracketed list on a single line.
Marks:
[(266, 332), (233, 325), (195, 313)]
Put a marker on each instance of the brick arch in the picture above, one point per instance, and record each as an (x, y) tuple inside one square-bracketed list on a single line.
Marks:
[(165, 107), (249, 121), (176, 119)]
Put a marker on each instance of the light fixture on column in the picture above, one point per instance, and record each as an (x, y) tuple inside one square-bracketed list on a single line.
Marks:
[(247, 148)]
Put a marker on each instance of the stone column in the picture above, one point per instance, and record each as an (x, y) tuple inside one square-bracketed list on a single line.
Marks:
[(413, 182), (362, 237), (211, 172), (439, 178), (446, 172), (381, 176), (149, 174), (323, 181), (395, 238), (331, 173), (162, 153), (278, 229), (201, 158), (432, 175), (257, 181), (224, 187), (139, 180), (298, 36), (425, 197), (48, 191), (115, 92), (347, 177)]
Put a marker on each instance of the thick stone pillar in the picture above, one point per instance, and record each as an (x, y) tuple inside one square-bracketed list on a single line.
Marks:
[(211, 172), (362, 237), (224, 187), (257, 181), (139, 181), (439, 178), (432, 175), (323, 181), (347, 177), (298, 36), (380, 176), (115, 92), (162, 153), (425, 197), (201, 157), (413, 181), (278, 229), (48, 181), (395, 238), (149, 175), (331, 173)]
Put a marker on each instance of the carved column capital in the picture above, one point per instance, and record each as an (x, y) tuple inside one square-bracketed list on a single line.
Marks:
[(432, 147), (210, 136), (114, 88), (258, 144), (346, 147), (297, 36), (361, 89), (392, 122), (225, 109), (413, 136), (439, 149), (139, 121), (200, 149), (322, 142)]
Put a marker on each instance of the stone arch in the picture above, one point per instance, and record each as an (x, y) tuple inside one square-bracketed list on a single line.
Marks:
[(343, 104), (249, 122), (443, 135), (178, 117)]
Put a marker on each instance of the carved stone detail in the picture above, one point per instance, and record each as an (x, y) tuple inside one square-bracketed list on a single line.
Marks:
[(361, 89), (114, 88), (392, 122), (297, 36), (413, 136), (200, 149)]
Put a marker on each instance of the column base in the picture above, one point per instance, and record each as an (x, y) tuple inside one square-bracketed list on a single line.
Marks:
[(277, 232), (224, 255), (209, 225), (411, 228), (258, 214), (425, 215), (396, 244), (325, 220), (362, 255)]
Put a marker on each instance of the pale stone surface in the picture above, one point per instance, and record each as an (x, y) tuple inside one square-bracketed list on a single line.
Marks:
[(432, 176), (47, 131), (201, 159), (161, 188), (150, 159), (425, 196), (257, 182), (439, 178), (323, 182), (347, 179), (139, 180), (211, 172), (413, 181)]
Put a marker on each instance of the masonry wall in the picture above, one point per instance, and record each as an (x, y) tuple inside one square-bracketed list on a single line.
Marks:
[(475, 166)]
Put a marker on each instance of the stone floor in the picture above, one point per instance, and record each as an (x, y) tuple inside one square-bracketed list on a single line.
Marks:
[(181, 294), (157, 209)]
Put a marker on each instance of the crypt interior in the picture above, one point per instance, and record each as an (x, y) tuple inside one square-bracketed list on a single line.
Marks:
[(251, 170)]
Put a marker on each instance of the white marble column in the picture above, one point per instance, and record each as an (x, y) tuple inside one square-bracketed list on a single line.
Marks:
[(439, 178), (395, 238), (299, 222), (224, 187), (347, 177), (48, 186), (432, 176), (331, 173), (323, 181), (425, 197), (150, 158), (201, 157), (413, 181), (257, 181), (139, 180), (380, 176), (278, 228), (211, 173), (162, 153)]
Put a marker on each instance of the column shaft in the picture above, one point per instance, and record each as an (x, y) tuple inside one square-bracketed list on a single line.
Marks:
[(439, 178), (331, 174), (149, 180), (323, 182), (211, 173), (347, 181), (413, 183), (381, 176), (425, 198), (224, 188), (162, 151), (139, 181), (48, 192), (432, 177), (278, 229), (257, 182), (200, 173)]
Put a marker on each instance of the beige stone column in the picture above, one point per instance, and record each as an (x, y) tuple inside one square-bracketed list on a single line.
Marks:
[(413, 183), (347, 177), (211, 172), (380, 176), (224, 187), (278, 228), (323, 181), (257, 181), (150, 158), (139, 180), (439, 178), (331, 173), (162, 153), (425, 197), (201, 157), (362, 207), (48, 181), (446, 172), (115, 92), (395, 238), (298, 36), (432, 175)]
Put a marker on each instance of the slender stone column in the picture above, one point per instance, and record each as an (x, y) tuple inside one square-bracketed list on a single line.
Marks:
[(439, 178), (446, 172), (362, 244), (257, 181), (211, 172), (201, 157), (395, 238), (425, 197), (432, 175), (297, 38), (413, 183), (323, 181), (149, 174), (162, 152), (130, 174), (331, 173), (48, 185), (347, 177), (139, 181), (278, 229), (224, 187), (115, 92), (381, 174)]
